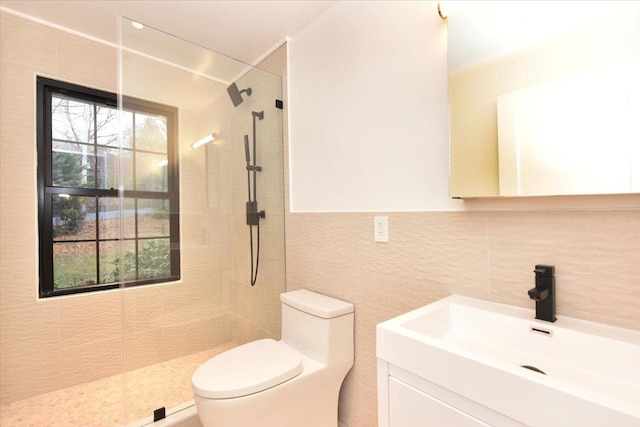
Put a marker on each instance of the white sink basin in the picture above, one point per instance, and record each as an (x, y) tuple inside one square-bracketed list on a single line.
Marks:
[(478, 349)]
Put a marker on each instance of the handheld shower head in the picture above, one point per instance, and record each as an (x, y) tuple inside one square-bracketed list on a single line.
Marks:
[(247, 156), (236, 95)]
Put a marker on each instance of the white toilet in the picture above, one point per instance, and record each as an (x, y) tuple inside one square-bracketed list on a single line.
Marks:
[(294, 382)]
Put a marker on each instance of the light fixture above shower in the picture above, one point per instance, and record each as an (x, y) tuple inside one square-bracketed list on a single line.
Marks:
[(207, 139), (236, 94)]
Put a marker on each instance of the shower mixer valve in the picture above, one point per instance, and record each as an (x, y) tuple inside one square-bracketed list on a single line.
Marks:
[(253, 215)]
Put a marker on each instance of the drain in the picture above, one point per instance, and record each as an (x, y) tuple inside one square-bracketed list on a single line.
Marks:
[(534, 369)]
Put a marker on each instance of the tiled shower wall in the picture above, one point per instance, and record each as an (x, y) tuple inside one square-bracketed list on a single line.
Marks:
[(60, 342), (54, 343), (256, 310), (487, 255)]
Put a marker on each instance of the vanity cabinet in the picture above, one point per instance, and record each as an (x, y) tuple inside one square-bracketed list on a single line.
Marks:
[(406, 400), (412, 407)]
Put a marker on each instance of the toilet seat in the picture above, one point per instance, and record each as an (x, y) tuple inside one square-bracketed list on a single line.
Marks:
[(247, 369)]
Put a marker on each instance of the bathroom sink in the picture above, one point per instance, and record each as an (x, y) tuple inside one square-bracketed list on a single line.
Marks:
[(501, 357)]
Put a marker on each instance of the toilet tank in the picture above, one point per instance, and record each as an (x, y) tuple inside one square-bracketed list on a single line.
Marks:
[(318, 326)]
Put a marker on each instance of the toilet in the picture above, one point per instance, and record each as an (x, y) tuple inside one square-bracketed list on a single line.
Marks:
[(294, 382)]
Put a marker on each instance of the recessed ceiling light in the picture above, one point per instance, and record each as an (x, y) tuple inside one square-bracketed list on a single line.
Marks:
[(137, 25)]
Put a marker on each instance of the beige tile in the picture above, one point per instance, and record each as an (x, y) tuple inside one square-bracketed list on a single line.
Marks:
[(26, 43), (205, 229), (243, 297), (241, 249), (258, 304), (258, 332), (206, 266), (18, 123), (87, 318), (271, 274), (183, 339), (445, 248), (90, 362), (170, 85), (271, 235), (29, 374), (18, 221), (219, 229), (342, 282), (104, 402), (276, 63), (142, 309), (185, 303), (143, 349), (384, 297), (18, 282), (596, 254), (241, 326), (86, 404), (30, 331), (85, 62), (267, 310), (358, 396), (325, 238), (218, 165)]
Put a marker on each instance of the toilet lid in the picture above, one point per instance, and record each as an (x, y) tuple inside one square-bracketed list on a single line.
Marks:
[(246, 369)]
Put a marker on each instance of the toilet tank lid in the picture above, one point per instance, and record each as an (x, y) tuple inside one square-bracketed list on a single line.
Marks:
[(316, 304)]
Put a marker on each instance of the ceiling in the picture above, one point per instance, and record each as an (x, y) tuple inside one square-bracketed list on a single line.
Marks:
[(246, 30), (478, 30), (242, 29)]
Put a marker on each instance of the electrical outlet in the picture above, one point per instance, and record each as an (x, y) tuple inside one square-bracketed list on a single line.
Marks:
[(381, 229)]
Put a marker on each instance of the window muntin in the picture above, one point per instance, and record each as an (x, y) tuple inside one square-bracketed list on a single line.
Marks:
[(80, 212)]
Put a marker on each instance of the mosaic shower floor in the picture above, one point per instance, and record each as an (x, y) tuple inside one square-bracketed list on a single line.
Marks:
[(100, 403)]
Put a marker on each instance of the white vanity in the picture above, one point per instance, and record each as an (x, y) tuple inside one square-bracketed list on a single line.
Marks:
[(465, 362)]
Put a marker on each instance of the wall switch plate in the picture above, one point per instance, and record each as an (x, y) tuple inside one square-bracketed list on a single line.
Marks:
[(381, 229)]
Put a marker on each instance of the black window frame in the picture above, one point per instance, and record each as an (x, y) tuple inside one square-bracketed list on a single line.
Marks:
[(46, 88)]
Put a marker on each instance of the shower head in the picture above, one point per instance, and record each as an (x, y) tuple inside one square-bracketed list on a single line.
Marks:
[(236, 95)]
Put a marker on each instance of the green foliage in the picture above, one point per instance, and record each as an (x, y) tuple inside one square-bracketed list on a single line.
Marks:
[(151, 133), (160, 214), (154, 260), (66, 169), (67, 172), (74, 270), (69, 212)]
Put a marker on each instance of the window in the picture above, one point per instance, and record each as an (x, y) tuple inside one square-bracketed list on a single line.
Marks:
[(91, 238)]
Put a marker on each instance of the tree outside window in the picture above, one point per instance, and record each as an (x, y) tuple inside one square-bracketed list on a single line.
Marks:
[(108, 211)]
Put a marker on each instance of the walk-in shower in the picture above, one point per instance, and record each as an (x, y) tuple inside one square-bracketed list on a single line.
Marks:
[(215, 306), (124, 356)]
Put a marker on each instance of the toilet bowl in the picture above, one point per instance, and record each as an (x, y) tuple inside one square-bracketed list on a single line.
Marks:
[(294, 382)]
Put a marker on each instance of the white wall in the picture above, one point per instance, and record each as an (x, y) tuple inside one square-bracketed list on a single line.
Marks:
[(369, 110), (369, 116)]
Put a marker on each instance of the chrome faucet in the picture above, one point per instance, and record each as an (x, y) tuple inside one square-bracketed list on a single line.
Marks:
[(544, 294)]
